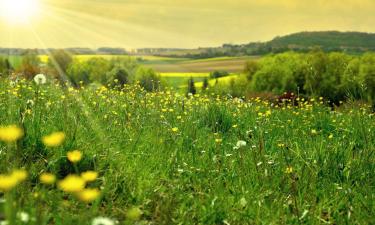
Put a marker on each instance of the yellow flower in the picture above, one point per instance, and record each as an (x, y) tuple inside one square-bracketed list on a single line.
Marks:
[(7, 182), (19, 175), (313, 131), (74, 156), (10, 133), (330, 136), (47, 178), (72, 183), (175, 129), (89, 176), (218, 140), (289, 169), (54, 139), (88, 195), (134, 213)]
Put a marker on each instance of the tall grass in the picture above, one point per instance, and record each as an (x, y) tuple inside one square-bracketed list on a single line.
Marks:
[(176, 159)]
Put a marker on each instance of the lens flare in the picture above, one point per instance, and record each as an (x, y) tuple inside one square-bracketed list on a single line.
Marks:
[(18, 11)]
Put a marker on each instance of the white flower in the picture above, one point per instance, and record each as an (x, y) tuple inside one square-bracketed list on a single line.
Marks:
[(240, 144), (24, 217), (40, 79), (30, 102), (102, 221)]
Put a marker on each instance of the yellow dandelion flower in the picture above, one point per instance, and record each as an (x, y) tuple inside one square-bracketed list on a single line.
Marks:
[(74, 156), (313, 131), (54, 139), (218, 140), (330, 136), (47, 178), (7, 182), (175, 129), (89, 176), (289, 169), (88, 195), (72, 183), (19, 175), (10, 133)]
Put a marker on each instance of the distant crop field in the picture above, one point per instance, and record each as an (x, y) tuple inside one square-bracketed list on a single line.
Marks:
[(229, 64), (181, 79), (169, 64), (213, 82)]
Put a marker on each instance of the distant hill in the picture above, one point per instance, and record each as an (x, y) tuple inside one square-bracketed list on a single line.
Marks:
[(328, 41)]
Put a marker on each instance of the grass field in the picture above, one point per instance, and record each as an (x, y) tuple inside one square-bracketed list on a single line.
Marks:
[(171, 65), (180, 80), (163, 158)]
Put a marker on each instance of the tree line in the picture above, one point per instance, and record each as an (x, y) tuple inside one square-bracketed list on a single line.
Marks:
[(62, 66)]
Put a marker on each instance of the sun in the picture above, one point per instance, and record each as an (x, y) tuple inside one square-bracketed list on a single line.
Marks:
[(18, 11)]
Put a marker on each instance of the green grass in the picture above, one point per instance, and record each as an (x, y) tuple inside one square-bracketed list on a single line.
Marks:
[(180, 80), (286, 173)]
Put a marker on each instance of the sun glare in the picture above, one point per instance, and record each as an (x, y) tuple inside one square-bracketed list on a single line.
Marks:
[(18, 11)]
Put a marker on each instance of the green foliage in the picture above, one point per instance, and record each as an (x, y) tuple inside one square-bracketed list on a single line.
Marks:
[(148, 79), (205, 84), (5, 67), (251, 67), (30, 65), (191, 87), (58, 63), (334, 76), (218, 73), (197, 174)]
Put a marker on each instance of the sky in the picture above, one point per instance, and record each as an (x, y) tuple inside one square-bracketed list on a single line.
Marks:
[(177, 23)]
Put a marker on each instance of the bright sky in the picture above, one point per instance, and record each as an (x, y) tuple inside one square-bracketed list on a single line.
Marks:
[(177, 23)]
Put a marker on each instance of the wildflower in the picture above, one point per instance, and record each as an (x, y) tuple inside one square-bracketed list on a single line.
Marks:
[(72, 183), (23, 216), (40, 79), (330, 136), (88, 195), (47, 178), (243, 202), (54, 139), (313, 131), (240, 144), (19, 175), (7, 182), (289, 169), (218, 140), (175, 129), (102, 221), (134, 213), (74, 156), (89, 176), (10, 133)]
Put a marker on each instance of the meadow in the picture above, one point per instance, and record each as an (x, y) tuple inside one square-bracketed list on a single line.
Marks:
[(98, 155)]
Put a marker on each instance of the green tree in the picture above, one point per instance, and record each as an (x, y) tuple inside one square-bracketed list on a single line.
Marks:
[(191, 87), (148, 79), (30, 65), (251, 67), (205, 84), (59, 62)]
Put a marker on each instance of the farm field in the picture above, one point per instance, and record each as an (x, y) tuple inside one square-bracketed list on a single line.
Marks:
[(180, 80), (137, 157), (168, 64)]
